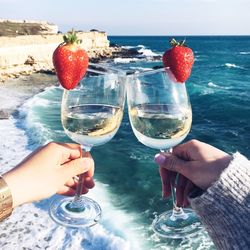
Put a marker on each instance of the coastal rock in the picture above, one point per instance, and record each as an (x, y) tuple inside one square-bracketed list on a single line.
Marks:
[(30, 61), (33, 53), (4, 115), (122, 52)]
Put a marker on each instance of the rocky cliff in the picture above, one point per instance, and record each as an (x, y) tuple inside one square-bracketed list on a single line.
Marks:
[(28, 53)]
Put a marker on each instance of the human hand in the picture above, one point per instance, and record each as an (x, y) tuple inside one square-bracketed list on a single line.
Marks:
[(48, 170), (197, 163)]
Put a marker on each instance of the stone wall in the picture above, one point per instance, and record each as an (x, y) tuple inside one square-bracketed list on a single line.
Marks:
[(26, 54)]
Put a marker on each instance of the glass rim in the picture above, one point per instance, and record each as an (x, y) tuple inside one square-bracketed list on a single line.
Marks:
[(148, 72)]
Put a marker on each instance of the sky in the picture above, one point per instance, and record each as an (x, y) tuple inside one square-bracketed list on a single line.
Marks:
[(137, 17)]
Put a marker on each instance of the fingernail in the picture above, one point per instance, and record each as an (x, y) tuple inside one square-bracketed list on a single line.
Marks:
[(160, 159)]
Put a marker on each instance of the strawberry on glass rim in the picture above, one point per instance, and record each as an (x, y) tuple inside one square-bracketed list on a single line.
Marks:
[(70, 61), (179, 59)]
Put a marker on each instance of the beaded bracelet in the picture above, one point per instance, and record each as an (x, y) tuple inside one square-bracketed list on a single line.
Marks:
[(5, 200)]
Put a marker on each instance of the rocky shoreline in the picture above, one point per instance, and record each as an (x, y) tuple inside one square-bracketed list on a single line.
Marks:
[(32, 65), (26, 54), (27, 47)]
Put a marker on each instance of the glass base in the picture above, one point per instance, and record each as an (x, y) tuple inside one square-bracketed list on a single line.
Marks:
[(179, 225), (86, 215)]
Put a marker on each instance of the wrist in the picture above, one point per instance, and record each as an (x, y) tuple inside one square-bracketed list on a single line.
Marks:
[(13, 184), (6, 201)]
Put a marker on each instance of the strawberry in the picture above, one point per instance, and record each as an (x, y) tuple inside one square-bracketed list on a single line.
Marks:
[(179, 59), (70, 61)]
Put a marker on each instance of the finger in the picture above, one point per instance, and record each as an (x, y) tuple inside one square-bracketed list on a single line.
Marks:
[(173, 163), (68, 191), (71, 182), (180, 187), (76, 167), (197, 150), (182, 151), (84, 190), (68, 151), (71, 151), (188, 188), (165, 181), (90, 172), (88, 182)]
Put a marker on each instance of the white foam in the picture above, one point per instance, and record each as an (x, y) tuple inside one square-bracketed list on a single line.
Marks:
[(147, 52), (245, 52), (125, 60), (6, 98), (128, 47), (211, 84), (232, 65)]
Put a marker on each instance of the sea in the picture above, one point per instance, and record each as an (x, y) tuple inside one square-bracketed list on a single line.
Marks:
[(128, 185)]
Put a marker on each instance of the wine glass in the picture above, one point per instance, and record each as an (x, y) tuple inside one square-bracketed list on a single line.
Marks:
[(161, 116), (91, 115)]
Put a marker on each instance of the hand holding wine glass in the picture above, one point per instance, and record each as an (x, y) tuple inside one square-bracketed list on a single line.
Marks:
[(196, 161), (161, 116), (91, 115)]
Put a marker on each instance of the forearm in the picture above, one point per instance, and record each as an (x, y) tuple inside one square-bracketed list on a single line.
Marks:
[(224, 208)]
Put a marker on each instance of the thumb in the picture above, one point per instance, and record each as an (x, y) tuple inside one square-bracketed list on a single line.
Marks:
[(173, 163), (77, 167)]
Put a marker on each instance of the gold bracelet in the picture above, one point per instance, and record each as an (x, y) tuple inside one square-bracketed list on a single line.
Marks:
[(5, 200)]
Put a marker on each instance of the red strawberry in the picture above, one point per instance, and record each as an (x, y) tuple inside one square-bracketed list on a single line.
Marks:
[(179, 59), (70, 61)]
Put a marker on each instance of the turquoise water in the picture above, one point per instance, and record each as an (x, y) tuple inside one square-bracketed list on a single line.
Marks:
[(219, 90)]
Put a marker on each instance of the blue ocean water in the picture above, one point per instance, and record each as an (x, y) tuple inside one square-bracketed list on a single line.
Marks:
[(128, 183)]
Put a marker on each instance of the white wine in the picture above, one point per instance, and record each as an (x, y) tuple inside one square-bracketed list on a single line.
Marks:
[(92, 124), (160, 126)]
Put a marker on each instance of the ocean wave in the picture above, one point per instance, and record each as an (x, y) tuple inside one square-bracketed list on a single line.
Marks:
[(30, 227), (125, 60), (147, 52), (37, 120), (245, 52), (211, 84), (232, 65), (128, 47)]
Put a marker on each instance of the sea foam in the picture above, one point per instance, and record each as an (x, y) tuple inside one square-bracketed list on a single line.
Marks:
[(232, 65), (125, 60), (245, 52), (147, 52)]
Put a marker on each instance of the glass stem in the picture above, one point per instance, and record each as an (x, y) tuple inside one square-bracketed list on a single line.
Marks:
[(79, 188), (76, 205), (177, 212)]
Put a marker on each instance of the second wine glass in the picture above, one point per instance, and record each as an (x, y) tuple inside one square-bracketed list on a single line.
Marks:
[(161, 116), (91, 115)]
